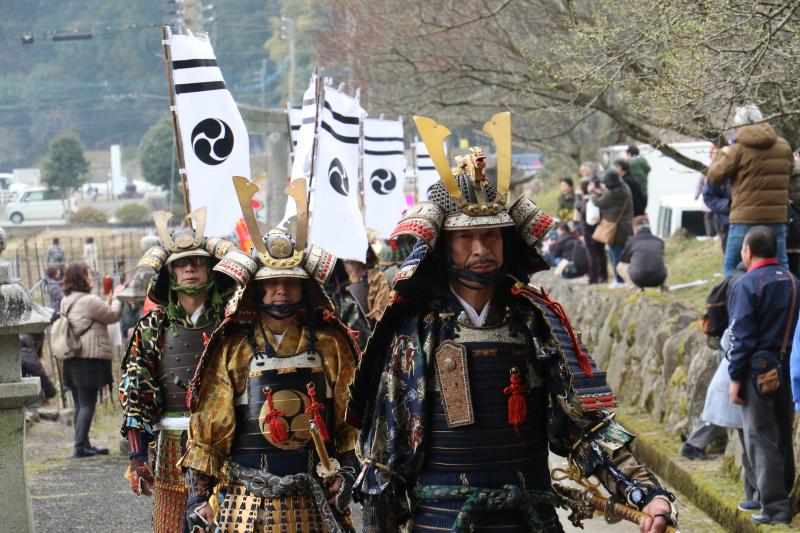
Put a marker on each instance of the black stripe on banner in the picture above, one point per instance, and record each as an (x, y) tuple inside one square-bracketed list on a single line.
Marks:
[(308, 102), (340, 138), (192, 63), (382, 139), (295, 127), (338, 116), (309, 120), (423, 156), (426, 168), (181, 88), (376, 152)]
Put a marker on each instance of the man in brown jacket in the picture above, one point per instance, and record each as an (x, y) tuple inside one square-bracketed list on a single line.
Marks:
[(758, 165)]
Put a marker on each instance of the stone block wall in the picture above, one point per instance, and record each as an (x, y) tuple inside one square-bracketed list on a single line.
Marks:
[(652, 349)]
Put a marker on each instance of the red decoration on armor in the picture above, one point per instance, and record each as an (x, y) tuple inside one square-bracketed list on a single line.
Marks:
[(583, 359), (517, 408), (277, 428), (206, 338), (313, 410)]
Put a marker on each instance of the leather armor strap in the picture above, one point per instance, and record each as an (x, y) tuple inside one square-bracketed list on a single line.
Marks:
[(453, 376)]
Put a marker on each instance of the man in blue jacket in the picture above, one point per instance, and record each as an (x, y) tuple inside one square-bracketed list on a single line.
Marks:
[(762, 318)]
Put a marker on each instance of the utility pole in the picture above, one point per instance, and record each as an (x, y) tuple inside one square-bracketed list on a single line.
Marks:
[(288, 34)]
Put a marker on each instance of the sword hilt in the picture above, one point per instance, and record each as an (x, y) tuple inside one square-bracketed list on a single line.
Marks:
[(327, 466)]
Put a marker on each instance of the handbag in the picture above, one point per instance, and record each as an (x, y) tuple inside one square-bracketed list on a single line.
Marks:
[(765, 367), (606, 231), (64, 342)]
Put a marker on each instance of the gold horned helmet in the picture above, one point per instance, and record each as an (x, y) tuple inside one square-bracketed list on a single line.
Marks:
[(467, 196), (280, 254), (183, 241)]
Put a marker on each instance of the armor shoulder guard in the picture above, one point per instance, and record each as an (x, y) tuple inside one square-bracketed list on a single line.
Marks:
[(154, 317), (578, 369)]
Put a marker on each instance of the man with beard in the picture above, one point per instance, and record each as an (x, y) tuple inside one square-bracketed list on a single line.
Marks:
[(472, 377), (269, 398), (161, 358)]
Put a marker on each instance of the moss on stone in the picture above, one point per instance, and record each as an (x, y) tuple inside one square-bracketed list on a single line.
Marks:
[(730, 469), (678, 377)]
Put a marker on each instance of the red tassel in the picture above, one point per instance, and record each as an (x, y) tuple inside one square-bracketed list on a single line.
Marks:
[(517, 407), (277, 427), (313, 410)]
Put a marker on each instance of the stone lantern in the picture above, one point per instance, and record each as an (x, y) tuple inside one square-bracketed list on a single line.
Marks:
[(18, 314)]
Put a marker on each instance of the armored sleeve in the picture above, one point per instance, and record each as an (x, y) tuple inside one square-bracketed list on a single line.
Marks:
[(340, 364), (212, 424), (139, 392)]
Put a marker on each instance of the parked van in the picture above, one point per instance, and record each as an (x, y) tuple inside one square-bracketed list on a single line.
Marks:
[(679, 211), (36, 203)]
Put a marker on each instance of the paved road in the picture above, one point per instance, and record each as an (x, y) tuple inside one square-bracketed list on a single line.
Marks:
[(92, 495)]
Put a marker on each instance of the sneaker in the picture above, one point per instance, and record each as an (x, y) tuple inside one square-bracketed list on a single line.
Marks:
[(691, 452), (759, 518), (749, 505), (615, 285)]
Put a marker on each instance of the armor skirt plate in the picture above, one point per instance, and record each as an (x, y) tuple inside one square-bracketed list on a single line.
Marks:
[(244, 512), (169, 499)]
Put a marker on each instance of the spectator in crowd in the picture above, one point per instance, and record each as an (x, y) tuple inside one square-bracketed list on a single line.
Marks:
[(590, 216), (87, 373), (793, 227), (639, 198), (708, 216), (52, 288), (639, 168), (30, 351), (642, 261), (568, 254), (616, 206), (719, 414), (763, 313), (566, 199), (55, 255), (758, 164), (717, 196), (90, 255)]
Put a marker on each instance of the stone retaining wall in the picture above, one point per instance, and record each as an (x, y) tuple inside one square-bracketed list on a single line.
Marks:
[(652, 348)]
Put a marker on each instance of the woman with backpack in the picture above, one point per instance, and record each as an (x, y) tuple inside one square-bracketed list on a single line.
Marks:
[(88, 370)]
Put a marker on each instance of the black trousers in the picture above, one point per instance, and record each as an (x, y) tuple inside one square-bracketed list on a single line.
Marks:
[(767, 425), (598, 263), (84, 399)]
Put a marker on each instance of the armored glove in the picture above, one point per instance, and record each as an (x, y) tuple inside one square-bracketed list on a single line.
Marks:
[(141, 477)]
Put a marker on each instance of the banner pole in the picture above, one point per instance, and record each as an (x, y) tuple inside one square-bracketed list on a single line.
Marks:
[(166, 33), (361, 199), (317, 104)]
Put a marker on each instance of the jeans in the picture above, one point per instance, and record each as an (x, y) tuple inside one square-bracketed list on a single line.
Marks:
[(736, 233), (615, 251)]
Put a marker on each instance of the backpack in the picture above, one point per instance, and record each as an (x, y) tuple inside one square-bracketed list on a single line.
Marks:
[(715, 319), (64, 342)]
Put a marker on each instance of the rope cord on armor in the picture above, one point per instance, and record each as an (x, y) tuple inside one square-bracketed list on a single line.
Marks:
[(508, 498)]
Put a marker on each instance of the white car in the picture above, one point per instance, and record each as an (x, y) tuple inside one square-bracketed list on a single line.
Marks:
[(36, 203)]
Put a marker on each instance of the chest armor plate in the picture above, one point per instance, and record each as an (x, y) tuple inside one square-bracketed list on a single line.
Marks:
[(490, 443), (182, 350), (287, 377)]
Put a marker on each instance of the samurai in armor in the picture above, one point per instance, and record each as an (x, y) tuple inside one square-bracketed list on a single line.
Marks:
[(473, 376), (269, 397), (162, 355), (360, 293)]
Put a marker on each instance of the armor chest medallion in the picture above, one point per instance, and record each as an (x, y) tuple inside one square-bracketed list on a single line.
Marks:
[(182, 349), (278, 389)]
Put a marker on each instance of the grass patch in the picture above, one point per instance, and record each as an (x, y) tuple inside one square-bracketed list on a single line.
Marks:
[(548, 200), (688, 260)]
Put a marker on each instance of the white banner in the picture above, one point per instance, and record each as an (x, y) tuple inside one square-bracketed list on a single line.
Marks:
[(213, 135), (336, 223), (384, 174), (426, 172), (303, 143)]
